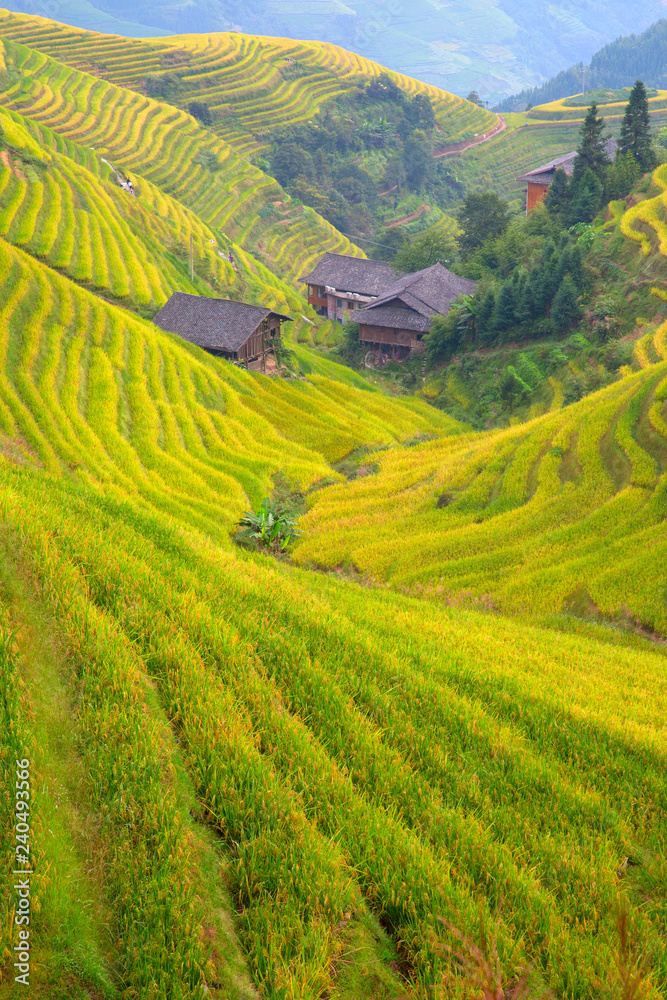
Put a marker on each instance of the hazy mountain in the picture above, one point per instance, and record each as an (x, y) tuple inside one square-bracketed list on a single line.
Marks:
[(618, 64), (496, 47)]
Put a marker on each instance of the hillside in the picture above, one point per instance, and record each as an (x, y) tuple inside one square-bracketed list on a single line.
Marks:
[(614, 66), (436, 723), (255, 88), (494, 48), (325, 785)]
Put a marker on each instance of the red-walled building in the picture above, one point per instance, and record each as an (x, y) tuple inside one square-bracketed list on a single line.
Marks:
[(538, 180)]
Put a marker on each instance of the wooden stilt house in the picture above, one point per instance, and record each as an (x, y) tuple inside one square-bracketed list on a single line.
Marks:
[(395, 323), (244, 334)]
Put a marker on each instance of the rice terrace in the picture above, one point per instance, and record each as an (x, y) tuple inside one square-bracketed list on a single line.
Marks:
[(331, 668)]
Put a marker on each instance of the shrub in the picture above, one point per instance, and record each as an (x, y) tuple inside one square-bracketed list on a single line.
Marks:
[(201, 111), (270, 528)]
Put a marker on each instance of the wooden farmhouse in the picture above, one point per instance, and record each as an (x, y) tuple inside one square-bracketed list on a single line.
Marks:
[(238, 332), (398, 319), (538, 180), (339, 285)]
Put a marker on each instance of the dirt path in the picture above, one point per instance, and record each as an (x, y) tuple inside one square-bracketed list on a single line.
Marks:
[(409, 218), (439, 154)]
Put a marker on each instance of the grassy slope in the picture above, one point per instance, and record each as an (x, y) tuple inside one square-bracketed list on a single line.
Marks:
[(348, 761), (245, 79), (161, 144), (529, 510)]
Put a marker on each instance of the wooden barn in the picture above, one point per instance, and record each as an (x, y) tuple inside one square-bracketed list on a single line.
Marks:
[(238, 332), (339, 285), (396, 321)]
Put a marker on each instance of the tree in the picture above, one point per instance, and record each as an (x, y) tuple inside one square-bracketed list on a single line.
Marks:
[(474, 98), (622, 176), (592, 154), (444, 337), (565, 309), (485, 312), (557, 200), (636, 130), (394, 175), (351, 346), (200, 111), (417, 160), (504, 314), (389, 242), (425, 250), (290, 161), (482, 217), (383, 88), (587, 198), (162, 86), (527, 306), (424, 111)]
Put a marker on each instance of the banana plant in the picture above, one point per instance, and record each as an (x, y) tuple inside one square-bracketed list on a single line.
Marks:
[(270, 527)]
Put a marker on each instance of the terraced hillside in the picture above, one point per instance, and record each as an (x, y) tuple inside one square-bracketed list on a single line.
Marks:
[(612, 113), (217, 717), (247, 779), (178, 434), (63, 204), (520, 519), (248, 82), (168, 148)]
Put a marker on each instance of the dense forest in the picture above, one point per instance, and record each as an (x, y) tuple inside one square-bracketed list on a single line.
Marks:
[(365, 158), (617, 65)]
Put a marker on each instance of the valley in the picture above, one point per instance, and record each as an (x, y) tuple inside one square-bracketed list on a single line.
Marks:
[(431, 724)]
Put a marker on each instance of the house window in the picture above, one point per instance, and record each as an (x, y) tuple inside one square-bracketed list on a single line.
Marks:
[(339, 303), (323, 292)]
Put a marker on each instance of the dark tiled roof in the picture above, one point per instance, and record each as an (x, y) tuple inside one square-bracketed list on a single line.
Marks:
[(565, 163), (429, 292), (544, 174), (538, 179), (217, 324), (395, 318), (351, 274)]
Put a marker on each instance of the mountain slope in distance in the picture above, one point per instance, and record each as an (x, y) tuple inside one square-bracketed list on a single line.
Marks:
[(493, 46)]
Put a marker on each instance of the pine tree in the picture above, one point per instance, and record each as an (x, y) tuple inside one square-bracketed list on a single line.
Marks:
[(573, 264), (622, 176), (526, 308), (485, 312), (547, 276), (557, 200), (587, 198), (504, 313), (636, 130), (591, 154), (565, 309)]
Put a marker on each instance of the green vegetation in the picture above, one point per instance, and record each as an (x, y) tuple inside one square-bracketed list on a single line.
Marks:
[(270, 528), (609, 76), (435, 722)]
